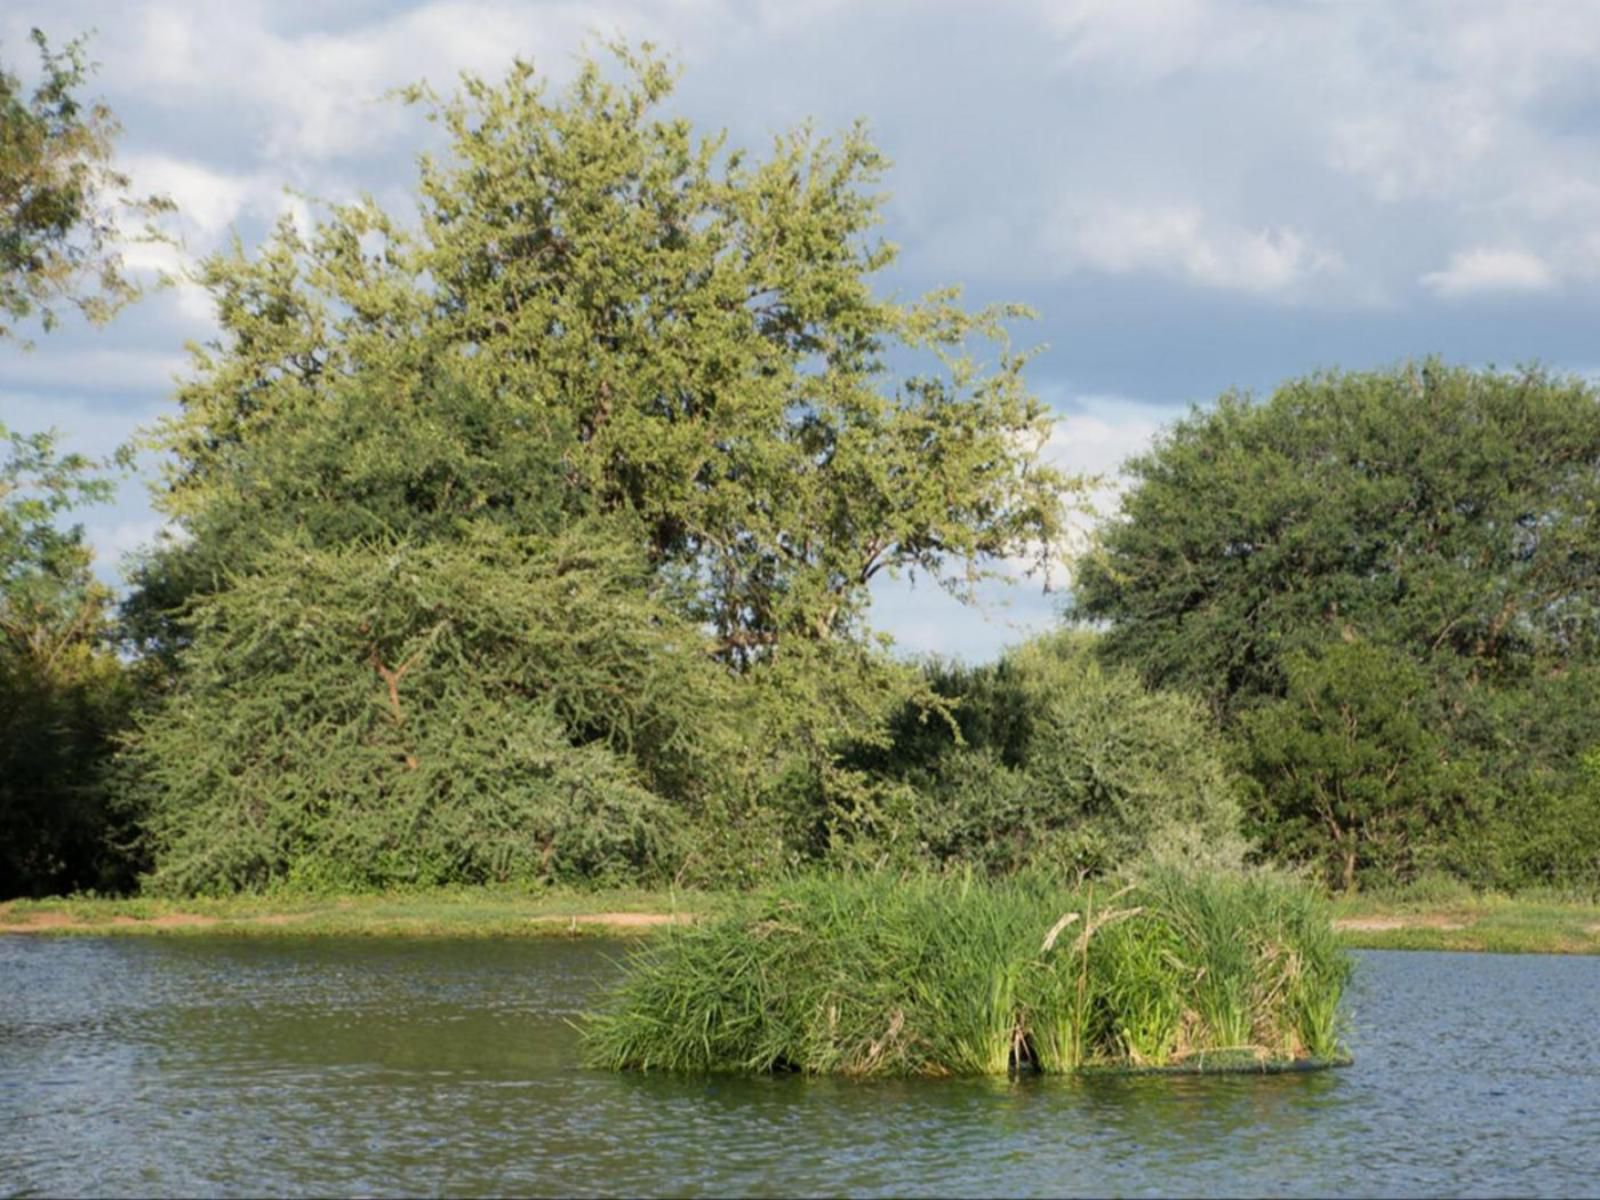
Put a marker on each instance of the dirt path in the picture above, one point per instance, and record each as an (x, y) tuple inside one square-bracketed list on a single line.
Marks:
[(1380, 924), (621, 920), (45, 922)]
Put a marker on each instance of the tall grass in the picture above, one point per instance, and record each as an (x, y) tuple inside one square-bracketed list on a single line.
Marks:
[(876, 974)]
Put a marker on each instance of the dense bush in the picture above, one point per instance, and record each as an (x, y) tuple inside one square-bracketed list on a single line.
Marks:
[(1387, 587), (1047, 757), (63, 698), (392, 714), (1547, 838)]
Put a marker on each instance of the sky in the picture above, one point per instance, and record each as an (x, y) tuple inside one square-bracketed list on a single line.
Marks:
[(1195, 196)]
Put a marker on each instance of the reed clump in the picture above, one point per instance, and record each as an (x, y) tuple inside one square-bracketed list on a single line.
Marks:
[(880, 975)]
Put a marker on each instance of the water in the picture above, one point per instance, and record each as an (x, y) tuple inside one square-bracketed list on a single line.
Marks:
[(207, 1066)]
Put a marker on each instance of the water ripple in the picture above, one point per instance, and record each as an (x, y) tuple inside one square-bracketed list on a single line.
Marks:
[(212, 1066)]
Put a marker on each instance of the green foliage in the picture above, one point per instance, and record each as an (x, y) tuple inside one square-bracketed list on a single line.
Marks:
[(59, 196), (394, 714), (1385, 585), (415, 458), (883, 974), (696, 332), (1048, 757), (62, 692), (1350, 768), (1438, 510), (1544, 838), (620, 400)]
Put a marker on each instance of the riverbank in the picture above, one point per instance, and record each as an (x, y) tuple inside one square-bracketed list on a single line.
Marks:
[(1464, 921), (1496, 924), (462, 912)]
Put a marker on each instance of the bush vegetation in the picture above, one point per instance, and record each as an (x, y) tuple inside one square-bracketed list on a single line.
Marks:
[(1385, 586), (532, 540), (879, 974), (1048, 758)]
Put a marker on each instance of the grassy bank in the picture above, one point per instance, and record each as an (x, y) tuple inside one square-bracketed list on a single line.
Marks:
[(460, 912), (1450, 917), (1426, 918), (868, 975)]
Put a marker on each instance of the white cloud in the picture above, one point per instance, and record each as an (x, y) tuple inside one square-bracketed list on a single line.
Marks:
[(1143, 41), (208, 201), (92, 370), (1179, 241), (323, 94), (1102, 433), (1471, 272)]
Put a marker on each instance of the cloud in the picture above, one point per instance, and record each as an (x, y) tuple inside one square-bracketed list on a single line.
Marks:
[(208, 201), (1145, 41), (120, 372), (323, 92), (1178, 241), (1099, 433), (1472, 272)]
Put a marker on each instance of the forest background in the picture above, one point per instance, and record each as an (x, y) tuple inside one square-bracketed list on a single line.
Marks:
[(530, 539)]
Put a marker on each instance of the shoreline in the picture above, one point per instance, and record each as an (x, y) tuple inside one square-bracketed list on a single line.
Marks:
[(466, 913), (1480, 924)]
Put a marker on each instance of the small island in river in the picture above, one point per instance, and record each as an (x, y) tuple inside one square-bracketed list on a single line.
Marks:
[(863, 975)]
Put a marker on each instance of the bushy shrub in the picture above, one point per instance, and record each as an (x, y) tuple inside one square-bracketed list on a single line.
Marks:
[(388, 714), (1546, 839), (62, 700), (1048, 757), (879, 973)]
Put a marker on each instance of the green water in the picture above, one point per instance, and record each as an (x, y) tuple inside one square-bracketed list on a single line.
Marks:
[(207, 1066)]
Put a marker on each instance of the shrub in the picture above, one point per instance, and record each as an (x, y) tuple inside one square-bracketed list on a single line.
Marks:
[(887, 974), (1063, 762), (388, 714)]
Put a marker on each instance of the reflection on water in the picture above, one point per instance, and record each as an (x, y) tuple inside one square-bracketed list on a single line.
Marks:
[(212, 1066)]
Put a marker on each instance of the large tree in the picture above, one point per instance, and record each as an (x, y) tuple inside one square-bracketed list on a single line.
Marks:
[(599, 328), (695, 329), (1447, 519)]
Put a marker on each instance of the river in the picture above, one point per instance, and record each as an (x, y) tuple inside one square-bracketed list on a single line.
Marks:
[(197, 1065)]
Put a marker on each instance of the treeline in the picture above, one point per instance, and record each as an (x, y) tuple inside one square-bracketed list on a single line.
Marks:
[(531, 538), (1386, 589)]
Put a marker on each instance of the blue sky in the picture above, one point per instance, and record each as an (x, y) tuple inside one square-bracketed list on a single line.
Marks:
[(1195, 196)]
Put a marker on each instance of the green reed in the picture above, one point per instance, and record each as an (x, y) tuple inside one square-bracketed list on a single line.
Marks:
[(879, 974)]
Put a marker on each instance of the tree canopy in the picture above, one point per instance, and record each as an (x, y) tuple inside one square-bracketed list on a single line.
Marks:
[(1409, 560), (602, 452), (694, 329), (1445, 510), (60, 196)]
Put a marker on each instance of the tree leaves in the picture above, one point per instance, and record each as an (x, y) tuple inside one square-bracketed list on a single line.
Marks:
[(60, 197)]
